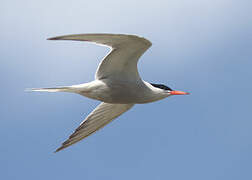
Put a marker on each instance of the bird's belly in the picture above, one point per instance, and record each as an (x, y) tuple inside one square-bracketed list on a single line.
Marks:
[(119, 95), (129, 98), (122, 93), (122, 96)]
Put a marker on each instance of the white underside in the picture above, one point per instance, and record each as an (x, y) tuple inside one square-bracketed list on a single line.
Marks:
[(114, 91), (120, 92)]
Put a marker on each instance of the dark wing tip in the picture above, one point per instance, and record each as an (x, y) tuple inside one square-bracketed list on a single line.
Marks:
[(54, 38), (64, 145), (70, 37), (60, 148)]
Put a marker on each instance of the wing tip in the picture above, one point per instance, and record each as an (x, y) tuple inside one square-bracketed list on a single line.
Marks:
[(57, 150), (67, 37), (53, 38), (60, 148), (64, 145)]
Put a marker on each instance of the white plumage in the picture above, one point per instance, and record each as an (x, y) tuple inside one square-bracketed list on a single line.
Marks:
[(117, 82)]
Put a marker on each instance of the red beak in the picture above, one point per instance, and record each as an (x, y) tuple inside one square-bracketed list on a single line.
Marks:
[(178, 93)]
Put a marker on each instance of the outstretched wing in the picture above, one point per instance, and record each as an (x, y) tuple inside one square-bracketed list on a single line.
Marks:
[(98, 118), (121, 62)]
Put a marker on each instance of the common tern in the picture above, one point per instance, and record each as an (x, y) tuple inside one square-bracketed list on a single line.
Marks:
[(117, 82)]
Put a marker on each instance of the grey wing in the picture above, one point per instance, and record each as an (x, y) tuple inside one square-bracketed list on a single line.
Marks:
[(121, 62), (98, 118)]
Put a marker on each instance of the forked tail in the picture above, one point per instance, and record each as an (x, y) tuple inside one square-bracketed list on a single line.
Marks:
[(54, 89)]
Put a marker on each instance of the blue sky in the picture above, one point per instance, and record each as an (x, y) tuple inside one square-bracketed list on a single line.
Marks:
[(200, 46)]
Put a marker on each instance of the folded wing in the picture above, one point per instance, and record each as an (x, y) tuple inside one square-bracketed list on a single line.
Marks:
[(98, 118), (121, 62)]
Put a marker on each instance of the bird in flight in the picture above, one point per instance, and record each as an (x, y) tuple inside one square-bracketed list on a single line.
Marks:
[(117, 82)]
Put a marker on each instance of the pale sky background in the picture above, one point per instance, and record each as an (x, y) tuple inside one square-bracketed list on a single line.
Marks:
[(200, 46)]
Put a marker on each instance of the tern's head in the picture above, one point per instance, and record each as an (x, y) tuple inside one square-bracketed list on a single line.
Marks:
[(168, 90)]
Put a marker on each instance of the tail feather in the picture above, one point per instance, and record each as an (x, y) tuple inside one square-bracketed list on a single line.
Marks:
[(55, 89)]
